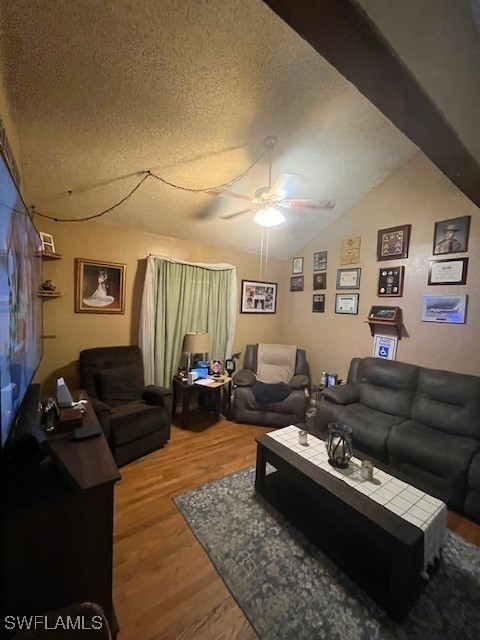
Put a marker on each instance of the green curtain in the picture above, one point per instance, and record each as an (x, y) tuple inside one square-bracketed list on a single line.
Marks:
[(185, 297)]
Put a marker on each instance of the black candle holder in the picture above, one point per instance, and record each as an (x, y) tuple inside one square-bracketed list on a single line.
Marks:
[(339, 445)]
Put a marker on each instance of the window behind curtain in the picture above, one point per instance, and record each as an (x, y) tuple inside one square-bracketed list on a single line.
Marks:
[(179, 297)]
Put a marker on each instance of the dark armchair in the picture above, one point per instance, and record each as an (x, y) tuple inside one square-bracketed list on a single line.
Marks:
[(246, 406), (135, 418)]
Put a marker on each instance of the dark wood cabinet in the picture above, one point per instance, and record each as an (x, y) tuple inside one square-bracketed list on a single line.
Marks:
[(57, 527)]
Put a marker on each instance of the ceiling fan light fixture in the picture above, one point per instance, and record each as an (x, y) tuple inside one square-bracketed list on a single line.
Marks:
[(269, 217)]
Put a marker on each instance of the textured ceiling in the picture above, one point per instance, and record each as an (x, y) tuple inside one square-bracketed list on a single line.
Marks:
[(101, 91)]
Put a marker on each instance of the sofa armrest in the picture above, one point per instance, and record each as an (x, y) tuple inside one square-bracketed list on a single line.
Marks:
[(244, 378), (299, 381), (154, 394), (102, 411), (341, 394)]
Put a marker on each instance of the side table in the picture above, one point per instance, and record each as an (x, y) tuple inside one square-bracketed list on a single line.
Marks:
[(183, 390)]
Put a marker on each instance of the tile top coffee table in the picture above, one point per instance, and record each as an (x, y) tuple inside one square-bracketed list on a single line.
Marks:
[(382, 533)]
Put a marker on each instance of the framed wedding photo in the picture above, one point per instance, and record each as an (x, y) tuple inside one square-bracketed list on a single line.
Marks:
[(346, 303), (392, 243), (297, 265), (99, 286), (451, 236), (258, 297), (348, 278), (449, 271)]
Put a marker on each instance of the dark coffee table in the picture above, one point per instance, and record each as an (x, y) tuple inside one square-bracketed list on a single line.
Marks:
[(382, 552)]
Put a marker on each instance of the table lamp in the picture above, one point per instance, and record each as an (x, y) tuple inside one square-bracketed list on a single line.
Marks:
[(195, 343)]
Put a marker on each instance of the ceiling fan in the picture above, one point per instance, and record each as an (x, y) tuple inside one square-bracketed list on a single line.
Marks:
[(271, 202)]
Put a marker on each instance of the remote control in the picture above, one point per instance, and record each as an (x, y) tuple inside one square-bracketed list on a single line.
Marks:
[(85, 433)]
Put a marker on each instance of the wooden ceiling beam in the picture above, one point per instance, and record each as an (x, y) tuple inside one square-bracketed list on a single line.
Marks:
[(346, 37)]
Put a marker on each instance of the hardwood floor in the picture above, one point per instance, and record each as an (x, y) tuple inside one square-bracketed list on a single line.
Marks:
[(165, 587)]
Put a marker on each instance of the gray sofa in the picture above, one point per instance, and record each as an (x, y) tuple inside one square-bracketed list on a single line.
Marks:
[(423, 422)]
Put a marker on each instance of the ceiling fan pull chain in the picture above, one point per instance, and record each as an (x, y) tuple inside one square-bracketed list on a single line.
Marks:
[(266, 253), (261, 253)]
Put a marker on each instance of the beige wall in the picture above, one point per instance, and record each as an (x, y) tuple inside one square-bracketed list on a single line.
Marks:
[(77, 331), (416, 194)]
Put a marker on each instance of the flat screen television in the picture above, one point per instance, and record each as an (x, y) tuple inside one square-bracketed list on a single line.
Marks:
[(20, 306)]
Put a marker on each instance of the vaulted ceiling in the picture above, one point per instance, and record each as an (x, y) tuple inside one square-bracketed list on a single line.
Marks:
[(103, 91)]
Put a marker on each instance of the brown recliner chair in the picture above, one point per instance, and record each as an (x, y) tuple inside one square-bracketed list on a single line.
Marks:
[(246, 407), (135, 418)]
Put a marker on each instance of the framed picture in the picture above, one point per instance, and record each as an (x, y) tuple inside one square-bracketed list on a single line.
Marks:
[(390, 282), (390, 314), (47, 242), (318, 305), (444, 308), (258, 297), (385, 347), (451, 236), (393, 243), (449, 271), (320, 261), (297, 265), (320, 280), (100, 287), (296, 283), (350, 252), (348, 278), (346, 303)]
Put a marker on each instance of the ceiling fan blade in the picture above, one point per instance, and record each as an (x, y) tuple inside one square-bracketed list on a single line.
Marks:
[(307, 204), (232, 194), (284, 185), (231, 216)]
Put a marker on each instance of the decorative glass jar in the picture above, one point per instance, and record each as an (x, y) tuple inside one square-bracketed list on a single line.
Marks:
[(339, 445)]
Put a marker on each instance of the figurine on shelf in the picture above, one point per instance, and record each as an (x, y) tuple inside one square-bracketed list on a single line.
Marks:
[(48, 286)]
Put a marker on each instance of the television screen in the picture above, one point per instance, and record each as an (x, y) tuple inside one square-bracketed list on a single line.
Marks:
[(20, 306)]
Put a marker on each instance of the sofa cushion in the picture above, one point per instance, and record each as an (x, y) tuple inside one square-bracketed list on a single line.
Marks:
[(448, 402), (438, 453), (474, 474), (136, 420), (120, 385), (388, 386), (370, 427)]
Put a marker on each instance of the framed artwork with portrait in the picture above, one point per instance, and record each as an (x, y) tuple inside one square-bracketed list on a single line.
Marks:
[(393, 243), (99, 286), (320, 280), (451, 236), (297, 265)]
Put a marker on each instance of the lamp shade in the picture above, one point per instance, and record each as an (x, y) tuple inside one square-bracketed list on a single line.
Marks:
[(196, 343)]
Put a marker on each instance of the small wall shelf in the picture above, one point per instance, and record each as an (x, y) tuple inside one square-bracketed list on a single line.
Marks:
[(385, 323), (49, 294), (49, 255), (385, 317)]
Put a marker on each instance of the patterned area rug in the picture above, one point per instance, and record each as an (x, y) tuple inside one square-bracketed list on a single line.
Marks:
[(289, 590)]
